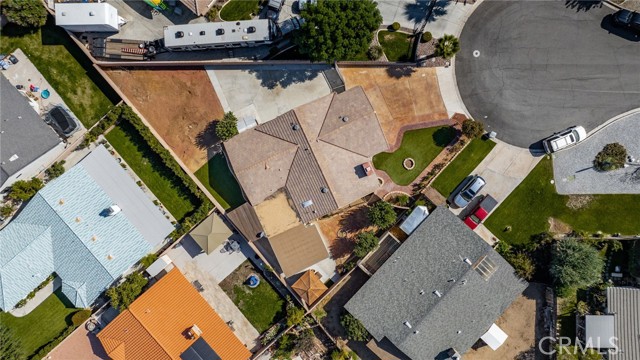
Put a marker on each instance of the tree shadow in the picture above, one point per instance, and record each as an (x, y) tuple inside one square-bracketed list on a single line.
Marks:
[(398, 72), (607, 24), (443, 136), (207, 137), (423, 12), (583, 5), (270, 79)]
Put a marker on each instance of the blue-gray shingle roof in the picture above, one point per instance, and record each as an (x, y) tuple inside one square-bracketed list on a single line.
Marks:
[(624, 304), (433, 259), (64, 228)]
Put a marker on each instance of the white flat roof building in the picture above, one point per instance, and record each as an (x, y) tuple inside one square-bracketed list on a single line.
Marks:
[(87, 17), (218, 34)]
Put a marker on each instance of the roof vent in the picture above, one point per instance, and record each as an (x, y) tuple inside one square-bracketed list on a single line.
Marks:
[(94, 238), (64, 13), (466, 260), (78, 219), (113, 209), (61, 201), (422, 292), (295, 127), (324, 190), (437, 293), (345, 118), (14, 157), (407, 324), (91, 13), (110, 257)]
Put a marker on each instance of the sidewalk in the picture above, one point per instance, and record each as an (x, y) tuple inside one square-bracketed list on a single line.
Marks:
[(41, 296)]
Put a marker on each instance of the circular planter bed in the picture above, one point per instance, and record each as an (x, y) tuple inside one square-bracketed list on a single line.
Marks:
[(409, 163), (395, 197)]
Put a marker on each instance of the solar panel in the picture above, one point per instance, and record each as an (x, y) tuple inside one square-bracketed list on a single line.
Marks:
[(199, 350)]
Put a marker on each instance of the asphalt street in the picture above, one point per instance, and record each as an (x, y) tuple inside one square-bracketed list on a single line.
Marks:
[(531, 68)]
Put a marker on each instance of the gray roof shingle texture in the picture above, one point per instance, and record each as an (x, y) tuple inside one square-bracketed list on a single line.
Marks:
[(624, 303), (433, 258), (24, 133)]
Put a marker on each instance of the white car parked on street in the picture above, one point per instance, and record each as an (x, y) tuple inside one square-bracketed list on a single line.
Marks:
[(564, 139)]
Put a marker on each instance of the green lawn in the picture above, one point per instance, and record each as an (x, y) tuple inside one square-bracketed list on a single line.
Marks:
[(462, 165), (421, 145), (65, 67), (262, 306), (148, 165), (217, 177), (396, 45), (41, 325), (239, 10), (530, 205)]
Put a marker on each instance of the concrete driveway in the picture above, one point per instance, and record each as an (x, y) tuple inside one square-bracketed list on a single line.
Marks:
[(264, 92), (407, 13), (531, 68)]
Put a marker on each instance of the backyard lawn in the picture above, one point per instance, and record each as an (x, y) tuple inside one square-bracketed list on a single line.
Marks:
[(396, 45), (41, 325), (65, 67), (530, 205), (217, 178), (148, 165), (239, 10), (462, 165), (421, 145), (262, 306)]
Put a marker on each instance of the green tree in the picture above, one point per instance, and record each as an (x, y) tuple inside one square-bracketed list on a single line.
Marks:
[(124, 294), (306, 341), (148, 259), (382, 215), (227, 127), (80, 317), (10, 345), (294, 314), (522, 264), (365, 242), (337, 30), (472, 129), (613, 156), (574, 265), (343, 354), (355, 330), (56, 169), (447, 46), (25, 13), (319, 313), (23, 190), (286, 344)]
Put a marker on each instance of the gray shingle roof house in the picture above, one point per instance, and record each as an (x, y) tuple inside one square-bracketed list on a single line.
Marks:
[(27, 144), (442, 289), (624, 304)]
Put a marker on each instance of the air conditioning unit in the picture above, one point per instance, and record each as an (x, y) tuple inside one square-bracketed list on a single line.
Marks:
[(113, 209)]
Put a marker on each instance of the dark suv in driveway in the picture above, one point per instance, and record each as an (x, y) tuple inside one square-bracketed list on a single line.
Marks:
[(627, 19)]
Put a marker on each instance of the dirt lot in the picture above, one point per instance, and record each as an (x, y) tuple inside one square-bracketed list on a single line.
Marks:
[(518, 322), (179, 104), (341, 230), (404, 98)]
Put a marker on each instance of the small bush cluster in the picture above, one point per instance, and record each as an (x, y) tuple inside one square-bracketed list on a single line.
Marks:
[(374, 52), (365, 242), (355, 330), (80, 316), (55, 170), (212, 14), (472, 129), (123, 295), (148, 259), (32, 294), (294, 314), (426, 37), (613, 156), (112, 118), (227, 127), (6, 210), (395, 26), (23, 190)]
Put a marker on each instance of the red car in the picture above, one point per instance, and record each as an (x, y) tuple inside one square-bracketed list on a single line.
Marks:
[(481, 212)]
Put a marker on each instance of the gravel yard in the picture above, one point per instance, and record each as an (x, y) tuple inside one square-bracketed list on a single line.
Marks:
[(573, 171)]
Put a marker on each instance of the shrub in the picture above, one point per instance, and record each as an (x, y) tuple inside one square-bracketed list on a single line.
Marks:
[(212, 14), (148, 259), (374, 52), (447, 46), (574, 265), (269, 335), (382, 215), (402, 200), (285, 347), (6, 210), (343, 354), (23, 190), (365, 242), (523, 265), (306, 341), (611, 157), (124, 294), (26, 13), (395, 26), (319, 313), (472, 129), (294, 314), (227, 127), (355, 330), (56, 169), (80, 316), (426, 37)]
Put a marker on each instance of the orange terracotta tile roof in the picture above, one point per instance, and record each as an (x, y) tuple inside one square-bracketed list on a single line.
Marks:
[(156, 324)]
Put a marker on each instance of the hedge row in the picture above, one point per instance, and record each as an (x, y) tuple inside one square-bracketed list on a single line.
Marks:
[(101, 127), (127, 114), (44, 350)]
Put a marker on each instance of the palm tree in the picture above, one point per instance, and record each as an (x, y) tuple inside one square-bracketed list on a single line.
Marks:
[(447, 46)]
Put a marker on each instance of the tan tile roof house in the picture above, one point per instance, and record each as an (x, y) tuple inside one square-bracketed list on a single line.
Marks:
[(314, 152)]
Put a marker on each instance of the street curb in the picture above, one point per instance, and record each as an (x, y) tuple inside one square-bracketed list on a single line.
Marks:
[(613, 5), (613, 120)]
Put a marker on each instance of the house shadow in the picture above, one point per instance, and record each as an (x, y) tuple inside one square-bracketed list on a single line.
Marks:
[(271, 79), (582, 5), (607, 24)]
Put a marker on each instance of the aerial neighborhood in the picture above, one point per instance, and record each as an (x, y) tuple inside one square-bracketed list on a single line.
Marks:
[(319, 180)]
